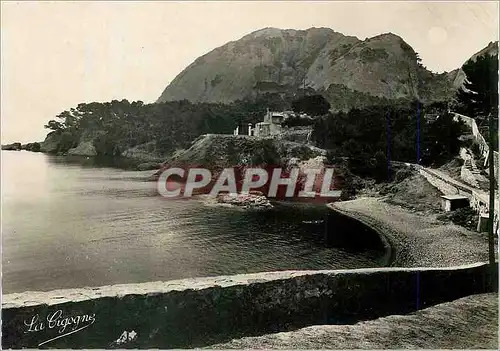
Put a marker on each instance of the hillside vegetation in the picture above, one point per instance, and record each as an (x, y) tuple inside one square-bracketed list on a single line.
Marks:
[(133, 128)]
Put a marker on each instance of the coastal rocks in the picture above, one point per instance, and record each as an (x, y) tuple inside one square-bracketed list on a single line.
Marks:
[(145, 152), (148, 166), (51, 143), (12, 147), (253, 200), (317, 162), (33, 147), (85, 148), (218, 151)]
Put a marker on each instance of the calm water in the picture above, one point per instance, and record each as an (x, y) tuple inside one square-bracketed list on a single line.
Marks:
[(70, 225)]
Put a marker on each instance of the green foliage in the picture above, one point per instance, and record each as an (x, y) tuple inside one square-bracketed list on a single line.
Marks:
[(297, 122), (371, 55), (115, 126), (480, 96), (313, 105), (265, 154), (35, 147), (343, 98), (66, 141), (465, 217), (54, 125), (370, 135), (440, 139)]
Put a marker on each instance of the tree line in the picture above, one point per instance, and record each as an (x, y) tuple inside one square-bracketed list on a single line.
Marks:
[(115, 126)]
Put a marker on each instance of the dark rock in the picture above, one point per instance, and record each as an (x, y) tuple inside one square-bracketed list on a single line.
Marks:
[(33, 147), (147, 166), (12, 147)]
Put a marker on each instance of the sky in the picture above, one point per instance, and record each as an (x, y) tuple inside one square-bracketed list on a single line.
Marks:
[(55, 55)]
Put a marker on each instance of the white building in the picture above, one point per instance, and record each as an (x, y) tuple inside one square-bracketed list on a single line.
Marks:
[(271, 124)]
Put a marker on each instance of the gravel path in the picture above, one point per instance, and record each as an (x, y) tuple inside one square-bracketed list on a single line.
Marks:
[(467, 323), (418, 239)]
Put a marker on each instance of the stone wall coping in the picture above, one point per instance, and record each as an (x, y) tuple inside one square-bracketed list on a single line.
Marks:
[(55, 297)]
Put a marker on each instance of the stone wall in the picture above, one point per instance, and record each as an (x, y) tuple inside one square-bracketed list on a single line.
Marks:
[(471, 123), (466, 174), (478, 200), (443, 185), (204, 311), (483, 145)]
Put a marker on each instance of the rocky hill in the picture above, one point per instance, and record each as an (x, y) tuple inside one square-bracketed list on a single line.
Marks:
[(459, 74), (491, 49), (346, 70)]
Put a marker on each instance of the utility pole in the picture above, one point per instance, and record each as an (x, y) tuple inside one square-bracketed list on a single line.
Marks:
[(491, 223)]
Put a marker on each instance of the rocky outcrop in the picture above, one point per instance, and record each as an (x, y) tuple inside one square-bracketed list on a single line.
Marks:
[(33, 147), (255, 201), (218, 151), (345, 69), (12, 147), (146, 152), (51, 143), (85, 148)]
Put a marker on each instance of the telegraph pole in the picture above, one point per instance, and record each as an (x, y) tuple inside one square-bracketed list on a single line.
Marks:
[(491, 222)]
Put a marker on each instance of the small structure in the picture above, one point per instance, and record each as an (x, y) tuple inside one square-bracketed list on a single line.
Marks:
[(243, 129), (271, 124), (453, 202), (482, 223), (262, 129)]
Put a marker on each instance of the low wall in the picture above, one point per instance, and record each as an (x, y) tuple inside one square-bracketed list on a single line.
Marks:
[(467, 176), (442, 185), (478, 200), (483, 145), (204, 311)]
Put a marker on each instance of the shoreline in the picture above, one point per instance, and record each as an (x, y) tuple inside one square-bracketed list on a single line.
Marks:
[(416, 239), (389, 248)]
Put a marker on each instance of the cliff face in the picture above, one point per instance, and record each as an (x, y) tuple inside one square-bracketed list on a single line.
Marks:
[(342, 68)]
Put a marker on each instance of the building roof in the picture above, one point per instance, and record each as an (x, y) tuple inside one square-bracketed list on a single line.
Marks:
[(454, 197)]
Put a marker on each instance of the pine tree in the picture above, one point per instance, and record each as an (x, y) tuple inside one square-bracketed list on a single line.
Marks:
[(480, 94)]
